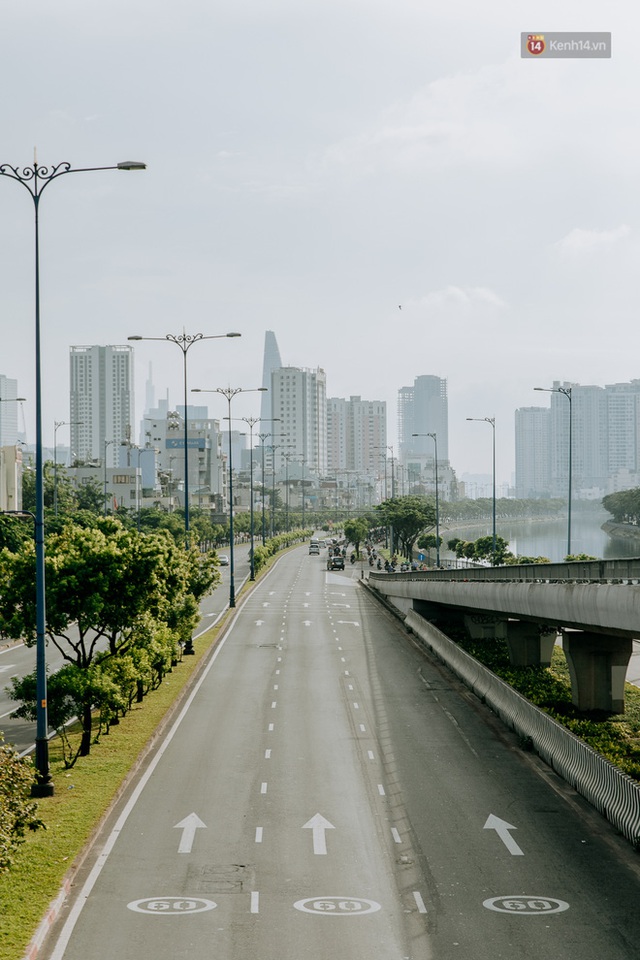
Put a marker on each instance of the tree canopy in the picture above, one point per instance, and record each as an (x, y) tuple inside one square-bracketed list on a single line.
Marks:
[(409, 517), (110, 593)]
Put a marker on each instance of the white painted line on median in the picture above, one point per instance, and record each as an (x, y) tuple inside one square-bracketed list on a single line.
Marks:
[(419, 902), (267, 754), (263, 788), (356, 706), (273, 704), (258, 834), (381, 790), (271, 727), (370, 755), (363, 729), (255, 901), (396, 836)]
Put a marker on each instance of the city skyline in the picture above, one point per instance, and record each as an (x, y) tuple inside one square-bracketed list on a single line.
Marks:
[(431, 201)]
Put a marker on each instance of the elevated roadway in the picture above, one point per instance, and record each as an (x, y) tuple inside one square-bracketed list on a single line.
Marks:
[(595, 606)]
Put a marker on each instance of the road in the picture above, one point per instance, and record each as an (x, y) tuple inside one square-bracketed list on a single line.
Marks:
[(17, 660), (327, 791)]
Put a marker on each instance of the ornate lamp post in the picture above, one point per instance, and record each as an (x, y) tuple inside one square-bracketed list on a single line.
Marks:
[(185, 341), (35, 179), (230, 393), (492, 423)]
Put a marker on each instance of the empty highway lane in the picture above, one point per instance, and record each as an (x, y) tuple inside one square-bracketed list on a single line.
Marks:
[(327, 792)]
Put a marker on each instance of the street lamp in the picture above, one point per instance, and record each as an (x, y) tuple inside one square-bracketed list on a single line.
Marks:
[(252, 422), (56, 424), (34, 179), (263, 437), (273, 447), (435, 443), (185, 341), (230, 393), (566, 392), (492, 422)]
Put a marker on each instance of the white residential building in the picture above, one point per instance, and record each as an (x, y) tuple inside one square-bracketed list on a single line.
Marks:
[(101, 408), (299, 401)]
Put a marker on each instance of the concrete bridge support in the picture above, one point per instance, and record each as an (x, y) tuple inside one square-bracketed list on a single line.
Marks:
[(530, 645), (598, 666), (483, 626)]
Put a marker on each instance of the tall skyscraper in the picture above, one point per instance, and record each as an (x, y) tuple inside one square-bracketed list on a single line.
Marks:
[(532, 453), (423, 409), (271, 361), (605, 442), (299, 401), (356, 435), (101, 408)]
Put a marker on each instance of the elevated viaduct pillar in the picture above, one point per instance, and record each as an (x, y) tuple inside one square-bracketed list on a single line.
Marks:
[(530, 645), (598, 666)]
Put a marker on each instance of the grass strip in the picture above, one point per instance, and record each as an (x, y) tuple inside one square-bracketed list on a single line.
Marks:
[(82, 796)]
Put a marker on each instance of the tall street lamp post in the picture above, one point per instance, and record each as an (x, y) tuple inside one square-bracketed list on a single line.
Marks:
[(185, 341), (566, 392), (492, 422), (56, 424), (273, 448), (229, 393), (34, 179), (252, 422), (435, 443)]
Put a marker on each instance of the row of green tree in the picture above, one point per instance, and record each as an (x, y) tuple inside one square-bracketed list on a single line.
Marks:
[(506, 509), (120, 607)]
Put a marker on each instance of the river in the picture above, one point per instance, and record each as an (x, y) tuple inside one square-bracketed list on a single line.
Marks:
[(548, 538)]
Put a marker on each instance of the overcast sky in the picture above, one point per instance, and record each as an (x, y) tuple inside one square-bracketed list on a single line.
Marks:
[(313, 165)]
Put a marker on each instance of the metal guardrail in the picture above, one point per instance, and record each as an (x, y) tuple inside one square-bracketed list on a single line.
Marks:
[(584, 571), (614, 794)]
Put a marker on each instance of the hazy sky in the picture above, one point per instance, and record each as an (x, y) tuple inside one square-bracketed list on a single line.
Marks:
[(312, 166)]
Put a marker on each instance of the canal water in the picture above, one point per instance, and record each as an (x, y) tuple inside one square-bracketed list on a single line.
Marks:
[(548, 538)]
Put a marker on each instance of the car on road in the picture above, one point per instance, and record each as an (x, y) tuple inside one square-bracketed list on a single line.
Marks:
[(335, 562), (314, 548), (223, 560)]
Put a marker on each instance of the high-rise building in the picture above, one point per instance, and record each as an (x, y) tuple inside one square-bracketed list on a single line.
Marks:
[(602, 427), (8, 411), (101, 408), (299, 402), (423, 409), (271, 361), (532, 453), (356, 435)]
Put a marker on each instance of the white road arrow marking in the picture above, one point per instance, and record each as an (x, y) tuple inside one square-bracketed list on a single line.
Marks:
[(319, 826), (259, 623), (307, 623), (188, 826), (502, 828), (354, 623)]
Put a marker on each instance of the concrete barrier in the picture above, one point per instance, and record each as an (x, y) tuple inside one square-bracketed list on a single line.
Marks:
[(614, 794)]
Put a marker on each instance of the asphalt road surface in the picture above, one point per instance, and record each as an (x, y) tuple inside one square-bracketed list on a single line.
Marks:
[(328, 791)]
